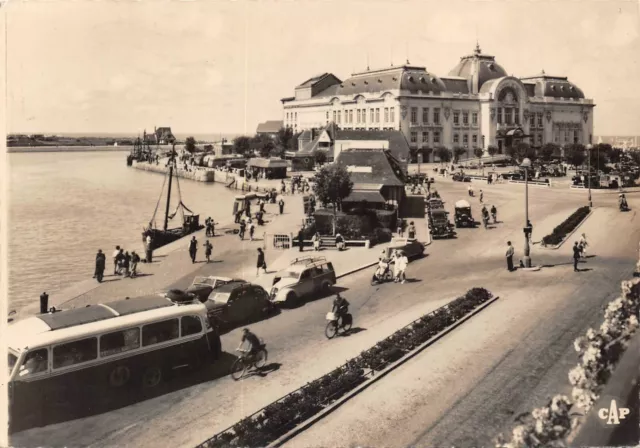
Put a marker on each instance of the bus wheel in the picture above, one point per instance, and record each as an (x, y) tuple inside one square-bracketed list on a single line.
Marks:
[(151, 377), (119, 376)]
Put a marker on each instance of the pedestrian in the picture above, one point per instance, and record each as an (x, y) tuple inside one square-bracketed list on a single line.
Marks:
[(576, 256), (400, 227), (135, 259), (252, 229), (115, 260), (238, 216), (283, 187), (120, 261), (149, 249), (212, 224), (509, 256), (281, 205), (261, 203), (126, 262), (261, 264), (481, 196), (243, 227), (396, 266), (411, 231), (208, 248), (301, 239), (100, 266), (494, 214), (528, 230), (44, 303), (402, 262), (316, 241), (193, 248), (583, 245), (340, 245)]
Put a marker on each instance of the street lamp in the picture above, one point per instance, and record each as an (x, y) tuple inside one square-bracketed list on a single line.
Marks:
[(589, 147), (526, 164)]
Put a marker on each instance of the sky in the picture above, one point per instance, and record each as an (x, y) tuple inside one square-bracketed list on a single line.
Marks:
[(208, 66)]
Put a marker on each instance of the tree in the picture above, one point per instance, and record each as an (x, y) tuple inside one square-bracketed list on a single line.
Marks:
[(242, 145), (332, 184), (190, 145), (320, 157), (492, 150), (262, 144), (512, 152), (575, 155), (457, 152), (283, 138), (615, 155), (443, 154), (548, 150)]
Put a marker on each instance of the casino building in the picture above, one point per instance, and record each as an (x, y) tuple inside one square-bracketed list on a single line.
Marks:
[(476, 105)]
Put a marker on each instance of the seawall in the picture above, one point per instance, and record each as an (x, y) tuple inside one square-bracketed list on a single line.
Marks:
[(36, 149)]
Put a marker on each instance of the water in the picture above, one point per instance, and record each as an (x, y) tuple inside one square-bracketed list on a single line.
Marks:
[(63, 207)]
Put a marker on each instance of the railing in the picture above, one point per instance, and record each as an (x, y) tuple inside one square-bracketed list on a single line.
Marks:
[(281, 241)]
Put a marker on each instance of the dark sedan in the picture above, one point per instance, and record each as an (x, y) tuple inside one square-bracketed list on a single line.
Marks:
[(237, 303)]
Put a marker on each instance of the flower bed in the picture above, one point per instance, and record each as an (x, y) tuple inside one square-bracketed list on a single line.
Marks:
[(281, 416), (598, 353), (566, 227)]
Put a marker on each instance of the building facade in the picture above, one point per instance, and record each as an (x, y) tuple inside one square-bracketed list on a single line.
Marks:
[(476, 105)]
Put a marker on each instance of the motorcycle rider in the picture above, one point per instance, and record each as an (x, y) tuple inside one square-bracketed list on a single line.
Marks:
[(340, 306), (252, 340), (470, 189)]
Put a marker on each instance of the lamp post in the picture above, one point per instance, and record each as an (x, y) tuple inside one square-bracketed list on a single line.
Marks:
[(589, 147), (526, 164)]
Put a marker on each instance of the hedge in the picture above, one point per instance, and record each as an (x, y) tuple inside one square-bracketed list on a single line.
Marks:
[(281, 416), (566, 227)]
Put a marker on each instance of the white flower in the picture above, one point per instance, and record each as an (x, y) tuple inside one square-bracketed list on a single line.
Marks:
[(539, 427), (633, 322), (579, 344), (541, 413), (560, 404), (577, 376), (591, 334)]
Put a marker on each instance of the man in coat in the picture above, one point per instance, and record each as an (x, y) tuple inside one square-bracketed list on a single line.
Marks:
[(576, 256), (509, 256), (100, 266), (281, 206), (193, 249)]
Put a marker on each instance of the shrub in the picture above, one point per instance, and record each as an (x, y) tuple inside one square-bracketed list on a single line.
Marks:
[(386, 218), (562, 230)]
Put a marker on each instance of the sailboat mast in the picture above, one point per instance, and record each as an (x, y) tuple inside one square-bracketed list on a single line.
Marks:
[(166, 213)]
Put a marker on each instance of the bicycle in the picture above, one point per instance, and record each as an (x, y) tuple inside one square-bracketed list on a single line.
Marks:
[(334, 326), (246, 361)]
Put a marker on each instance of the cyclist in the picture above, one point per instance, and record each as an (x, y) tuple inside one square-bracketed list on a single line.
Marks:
[(252, 340), (340, 306)]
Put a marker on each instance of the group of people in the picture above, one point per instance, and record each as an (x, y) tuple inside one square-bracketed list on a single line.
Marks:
[(297, 183), (485, 215), (579, 250), (124, 263), (402, 227), (399, 261), (193, 249), (210, 226)]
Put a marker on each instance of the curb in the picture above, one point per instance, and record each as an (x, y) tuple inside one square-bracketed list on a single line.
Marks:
[(329, 409), (557, 246)]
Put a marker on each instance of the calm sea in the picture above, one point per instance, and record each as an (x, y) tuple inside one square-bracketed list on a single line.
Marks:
[(63, 207)]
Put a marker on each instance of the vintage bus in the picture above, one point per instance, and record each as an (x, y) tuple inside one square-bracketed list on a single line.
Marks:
[(88, 353)]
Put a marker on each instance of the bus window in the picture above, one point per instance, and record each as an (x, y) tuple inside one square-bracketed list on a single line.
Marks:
[(35, 362), (159, 332), (119, 341), (190, 325), (12, 362), (75, 352)]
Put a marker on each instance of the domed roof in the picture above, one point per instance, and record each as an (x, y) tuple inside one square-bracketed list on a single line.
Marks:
[(477, 69), (554, 86)]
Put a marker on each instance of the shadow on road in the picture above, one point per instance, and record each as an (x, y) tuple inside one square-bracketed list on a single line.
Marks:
[(263, 371), (354, 330), (84, 402)]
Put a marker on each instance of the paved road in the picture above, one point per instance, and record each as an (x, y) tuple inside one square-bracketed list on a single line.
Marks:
[(189, 410)]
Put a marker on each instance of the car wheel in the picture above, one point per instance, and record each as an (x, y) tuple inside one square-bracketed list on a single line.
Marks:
[(292, 299), (326, 287)]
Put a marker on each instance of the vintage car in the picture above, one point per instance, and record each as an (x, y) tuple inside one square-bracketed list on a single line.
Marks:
[(304, 277), (435, 203), (513, 175), (236, 303), (202, 287), (463, 217), (460, 177), (411, 247), (439, 225)]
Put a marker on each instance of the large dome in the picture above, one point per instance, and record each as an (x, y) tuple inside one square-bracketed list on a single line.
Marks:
[(477, 69)]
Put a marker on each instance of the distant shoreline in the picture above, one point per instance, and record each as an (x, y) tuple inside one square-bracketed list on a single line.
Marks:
[(39, 149)]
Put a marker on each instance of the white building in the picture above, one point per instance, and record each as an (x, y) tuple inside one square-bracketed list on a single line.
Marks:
[(476, 105)]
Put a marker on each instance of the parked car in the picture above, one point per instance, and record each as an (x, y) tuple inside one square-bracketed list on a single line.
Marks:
[(304, 277), (203, 287), (238, 302), (460, 177), (439, 224), (411, 247), (512, 175)]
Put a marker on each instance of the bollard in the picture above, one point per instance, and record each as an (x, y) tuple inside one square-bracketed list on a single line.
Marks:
[(44, 303)]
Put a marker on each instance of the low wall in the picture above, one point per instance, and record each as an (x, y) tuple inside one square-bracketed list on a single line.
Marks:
[(197, 173)]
